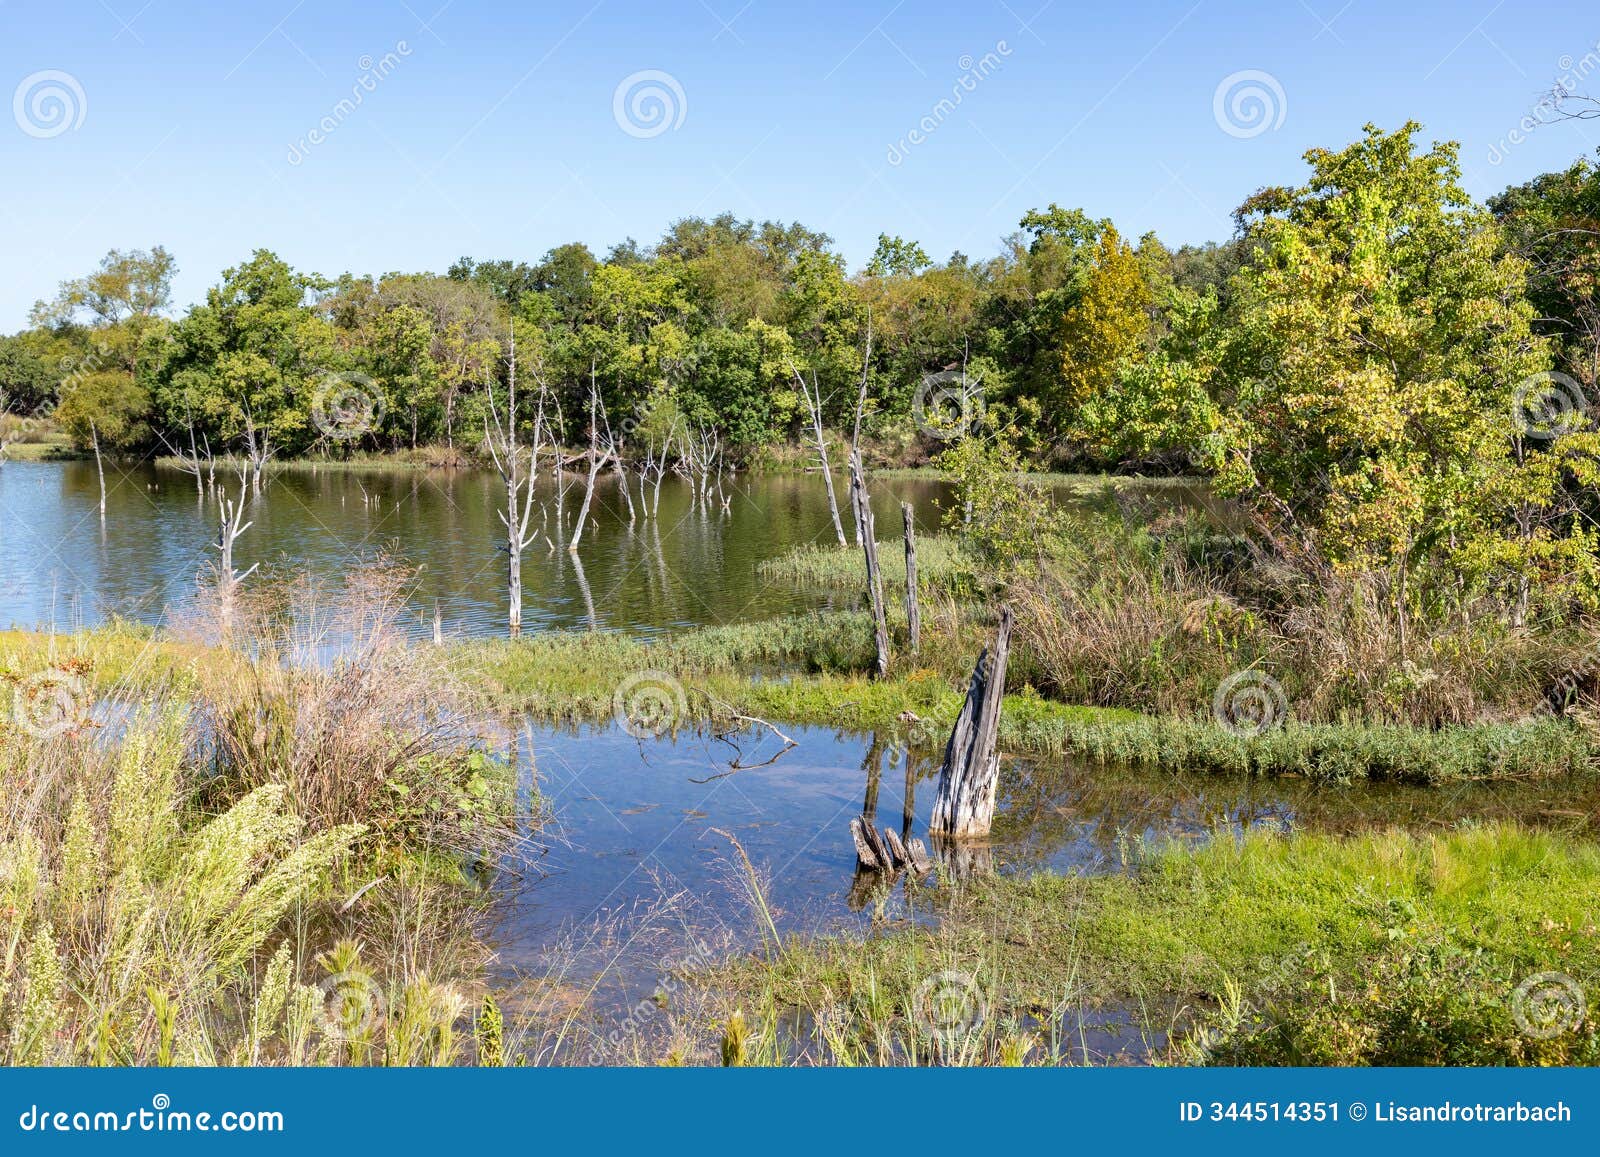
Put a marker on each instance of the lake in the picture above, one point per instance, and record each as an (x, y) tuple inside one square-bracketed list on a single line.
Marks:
[(61, 566)]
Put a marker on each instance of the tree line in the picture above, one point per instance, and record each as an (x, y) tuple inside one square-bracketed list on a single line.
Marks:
[(1386, 374)]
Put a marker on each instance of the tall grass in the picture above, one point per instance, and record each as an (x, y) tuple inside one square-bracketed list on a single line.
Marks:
[(259, 859), (1155, 616)]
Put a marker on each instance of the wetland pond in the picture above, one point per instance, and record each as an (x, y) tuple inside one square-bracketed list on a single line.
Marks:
[(633, 877), (61, 566), (634, 882)]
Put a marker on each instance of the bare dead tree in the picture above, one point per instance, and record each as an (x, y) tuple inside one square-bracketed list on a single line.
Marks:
[(614, 449), (1574, 105), (518, 467), (699, 462), (258, 449), (866, 533), (231, 525), (99, 466), (189, 460), (813, 397), (654, 469), (913, 607), (596, 461)]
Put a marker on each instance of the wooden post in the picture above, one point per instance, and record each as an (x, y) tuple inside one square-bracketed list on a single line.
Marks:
[(964, 805), (913, 610), (869, 545)]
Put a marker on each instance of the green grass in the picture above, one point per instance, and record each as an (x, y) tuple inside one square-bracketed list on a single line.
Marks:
[(805, 669), (1255, 929), (941, 565)]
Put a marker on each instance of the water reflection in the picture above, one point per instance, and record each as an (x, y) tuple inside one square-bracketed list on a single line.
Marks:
[(692, 565)]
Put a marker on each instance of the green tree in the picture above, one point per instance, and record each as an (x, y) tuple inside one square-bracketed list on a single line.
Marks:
[(1361, 390), (1107, 325), (245, 366), (1553, 223)]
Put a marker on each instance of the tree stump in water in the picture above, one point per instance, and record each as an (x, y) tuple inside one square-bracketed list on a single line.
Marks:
[(913, 610), (964, 806)]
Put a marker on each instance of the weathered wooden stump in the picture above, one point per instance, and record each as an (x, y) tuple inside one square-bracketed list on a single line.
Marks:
[(913, 609), (866, 535), (964, 806)]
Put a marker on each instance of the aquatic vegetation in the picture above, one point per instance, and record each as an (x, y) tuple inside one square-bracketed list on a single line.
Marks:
[(1265, 949), (942, 565), (218, 856)]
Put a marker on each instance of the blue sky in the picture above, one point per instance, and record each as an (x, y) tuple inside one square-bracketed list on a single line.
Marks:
[(494, 131)]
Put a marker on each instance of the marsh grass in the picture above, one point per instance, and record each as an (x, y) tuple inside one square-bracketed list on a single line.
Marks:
[(252, 848), (571, 678), (1226, 953), (942, 565)]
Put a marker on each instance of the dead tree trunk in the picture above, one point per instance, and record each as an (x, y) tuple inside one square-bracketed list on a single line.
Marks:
[(813, 397), (230, 525), (866, 533), (99, 465), (964, 805), (913, 608), (595, 461), (518, 469), (869, 546)]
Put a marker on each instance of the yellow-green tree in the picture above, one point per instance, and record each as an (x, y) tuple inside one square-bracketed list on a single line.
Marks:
[(1109, 323), (1372, 389)]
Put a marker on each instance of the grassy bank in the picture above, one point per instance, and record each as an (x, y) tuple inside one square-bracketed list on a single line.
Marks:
[(1385, 948), (213, 854), (811, 663), (806, 669)]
